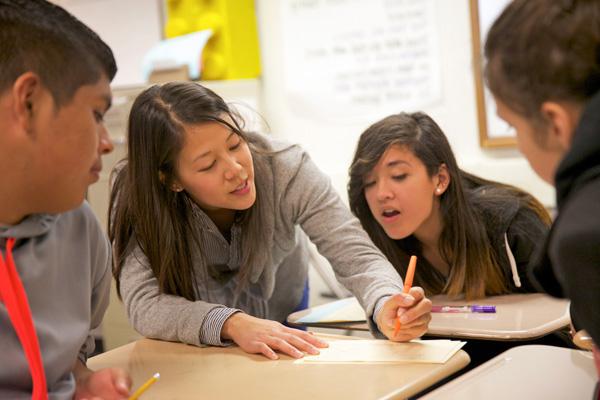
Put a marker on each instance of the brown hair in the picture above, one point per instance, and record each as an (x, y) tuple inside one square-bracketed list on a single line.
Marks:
[(464, 243), (143, 208), (539, 50)]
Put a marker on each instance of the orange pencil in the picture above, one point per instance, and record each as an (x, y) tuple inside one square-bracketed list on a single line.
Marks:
[(408, 280)]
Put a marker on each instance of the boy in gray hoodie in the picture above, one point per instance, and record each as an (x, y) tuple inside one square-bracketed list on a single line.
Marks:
[(54, 258)]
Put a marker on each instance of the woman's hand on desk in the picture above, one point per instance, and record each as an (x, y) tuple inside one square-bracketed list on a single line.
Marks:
[(414, 311), (261, 336)]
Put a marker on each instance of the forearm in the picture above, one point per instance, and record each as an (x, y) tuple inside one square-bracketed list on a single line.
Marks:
[(356, 261), (168, 317)]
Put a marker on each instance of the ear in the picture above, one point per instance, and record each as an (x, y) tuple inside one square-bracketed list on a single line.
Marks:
[(442, 180), (175, 185), (25, 94), (562, 119)]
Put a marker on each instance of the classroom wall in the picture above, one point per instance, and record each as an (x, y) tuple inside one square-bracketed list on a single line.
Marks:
[(332, 144), (129, 27), (455, 111)]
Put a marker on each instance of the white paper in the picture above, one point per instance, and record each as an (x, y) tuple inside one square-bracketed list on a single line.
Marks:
[(351, 60), (176, 52), (385, 352)]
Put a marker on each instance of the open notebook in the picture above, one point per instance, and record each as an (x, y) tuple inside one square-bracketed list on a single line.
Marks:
[(384, 352), (345, 310)]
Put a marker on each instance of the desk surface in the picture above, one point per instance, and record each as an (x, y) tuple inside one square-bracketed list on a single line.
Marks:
[(526, 372), (229, 373), (517, 317)]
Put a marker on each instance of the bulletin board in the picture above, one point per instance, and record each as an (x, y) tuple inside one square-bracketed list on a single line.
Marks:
[(493, 132)]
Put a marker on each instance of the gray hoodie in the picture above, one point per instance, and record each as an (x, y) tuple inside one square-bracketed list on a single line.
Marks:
[(297, 199), (63, 261)]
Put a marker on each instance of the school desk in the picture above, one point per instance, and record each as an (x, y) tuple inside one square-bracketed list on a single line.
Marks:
[(517, 317), (229, 373), (526, 372)]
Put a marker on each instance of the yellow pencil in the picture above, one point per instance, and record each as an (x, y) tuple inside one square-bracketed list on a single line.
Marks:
[(145, 386)]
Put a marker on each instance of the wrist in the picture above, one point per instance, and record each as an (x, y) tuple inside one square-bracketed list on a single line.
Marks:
[(377, 310), (230, 325), (81, 372)]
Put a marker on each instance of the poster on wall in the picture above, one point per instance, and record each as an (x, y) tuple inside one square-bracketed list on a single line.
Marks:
[(351, 60), (493, 132)]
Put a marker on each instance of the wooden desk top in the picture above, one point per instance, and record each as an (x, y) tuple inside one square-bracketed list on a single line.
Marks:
[(517, 317), (526, 372), (229, 373)]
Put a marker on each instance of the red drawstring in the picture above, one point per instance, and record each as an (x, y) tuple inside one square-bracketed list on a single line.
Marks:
[(14, 297)]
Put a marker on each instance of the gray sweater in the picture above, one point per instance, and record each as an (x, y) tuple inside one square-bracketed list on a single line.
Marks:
[(299, 200), (64, 263)]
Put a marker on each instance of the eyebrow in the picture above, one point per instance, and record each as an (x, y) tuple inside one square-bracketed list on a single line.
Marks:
[(208, 152), (393, 163), (108, 101)]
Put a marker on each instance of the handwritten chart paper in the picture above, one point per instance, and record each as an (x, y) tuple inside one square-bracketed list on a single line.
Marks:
[(351, 59), (385, 352)]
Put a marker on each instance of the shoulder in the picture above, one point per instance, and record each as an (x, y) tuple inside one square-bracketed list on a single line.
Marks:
[(275, 148), (496, 207), (578, 223), (283, 159), (79, 219), (80, 226)]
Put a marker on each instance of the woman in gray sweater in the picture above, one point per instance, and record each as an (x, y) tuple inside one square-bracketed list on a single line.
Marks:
[(209, 228)]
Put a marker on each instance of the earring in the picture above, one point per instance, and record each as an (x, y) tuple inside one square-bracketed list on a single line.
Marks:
[(438, 190), (176, 188)]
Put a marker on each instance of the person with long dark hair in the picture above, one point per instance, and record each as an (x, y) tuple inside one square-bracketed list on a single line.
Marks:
[(474, 237), (208, 224)]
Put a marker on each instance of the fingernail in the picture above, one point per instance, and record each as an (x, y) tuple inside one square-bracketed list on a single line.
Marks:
[(408, 300), (313, 351), (122, 384), (298, 354)]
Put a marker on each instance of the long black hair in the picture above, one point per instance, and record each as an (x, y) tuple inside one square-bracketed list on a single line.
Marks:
[(143, 205), (464, 243)]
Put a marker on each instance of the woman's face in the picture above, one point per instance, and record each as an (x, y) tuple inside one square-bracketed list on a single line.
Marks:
[(215, 168), (401, 195), (543, 159)]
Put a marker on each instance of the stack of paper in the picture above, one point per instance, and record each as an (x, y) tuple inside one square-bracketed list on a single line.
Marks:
[(385, 352)]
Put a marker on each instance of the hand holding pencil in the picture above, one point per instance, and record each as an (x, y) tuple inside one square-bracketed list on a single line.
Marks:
[(406, 316), (144, 387)]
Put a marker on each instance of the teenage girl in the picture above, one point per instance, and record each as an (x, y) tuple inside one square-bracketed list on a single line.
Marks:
[(209, 226)]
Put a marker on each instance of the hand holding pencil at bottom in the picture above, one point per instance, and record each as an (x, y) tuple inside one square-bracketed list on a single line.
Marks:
[(406, 315)]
